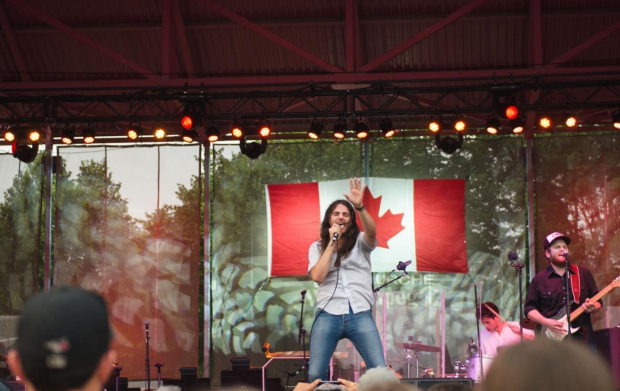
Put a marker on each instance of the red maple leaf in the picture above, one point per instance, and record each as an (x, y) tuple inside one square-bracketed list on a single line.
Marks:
[(388, 225)]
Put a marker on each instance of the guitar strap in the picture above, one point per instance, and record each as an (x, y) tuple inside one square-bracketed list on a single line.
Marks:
[(575, 282)]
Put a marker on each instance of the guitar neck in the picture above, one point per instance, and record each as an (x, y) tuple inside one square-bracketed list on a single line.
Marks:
[(575, 314)]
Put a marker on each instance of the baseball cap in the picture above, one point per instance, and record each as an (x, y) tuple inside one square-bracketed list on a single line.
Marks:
[(62, 335), (555, 236)]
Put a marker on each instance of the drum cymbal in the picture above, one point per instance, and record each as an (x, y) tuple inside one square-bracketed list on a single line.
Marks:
[(417, 346)]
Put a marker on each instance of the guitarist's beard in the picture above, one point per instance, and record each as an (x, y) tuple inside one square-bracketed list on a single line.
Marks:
[(558, 263)]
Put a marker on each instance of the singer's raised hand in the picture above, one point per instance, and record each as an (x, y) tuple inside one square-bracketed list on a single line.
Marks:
[(356, 192)]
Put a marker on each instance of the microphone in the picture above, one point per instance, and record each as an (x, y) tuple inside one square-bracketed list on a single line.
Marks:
[(403, 265), (303, 293), (564, 253), (146, 325), (335, 237), (265, 347), (513, 256)]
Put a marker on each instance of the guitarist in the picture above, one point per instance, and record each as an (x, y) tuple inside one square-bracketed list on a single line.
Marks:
[(545, 297)]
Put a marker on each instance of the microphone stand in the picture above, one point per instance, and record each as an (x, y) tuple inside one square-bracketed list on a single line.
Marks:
[(158, 365), (402, 267), (513, 257), (302, 336), (147, 361), (567, 286), (117, 374), (478, 329)]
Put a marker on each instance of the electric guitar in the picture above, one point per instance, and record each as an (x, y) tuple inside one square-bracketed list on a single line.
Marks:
[(561, 316)]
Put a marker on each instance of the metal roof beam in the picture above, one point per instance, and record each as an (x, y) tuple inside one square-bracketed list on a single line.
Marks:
[(271, 36), (81, 37), (453, 17), (9, 34), (183, 43)]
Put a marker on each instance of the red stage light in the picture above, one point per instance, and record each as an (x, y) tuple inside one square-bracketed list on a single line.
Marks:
[(511, 112), (187, 122)]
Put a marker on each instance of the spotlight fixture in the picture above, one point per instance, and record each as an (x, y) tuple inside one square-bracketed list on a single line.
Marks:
[(361, 130), (193, 114), (9, 135), (134, 132), (511, 112), (88, 135), (517, 125), (544, 122), (615, 119), (315, 130), (159, 132), (264, 130), (340, 129), (34, 134), (459, 123), (387, 128), (434, 125), (189, 136), (24, 152), (237, 131), (212, 134), (570, 121), (253, 150), (68, 135), (449, 144), (493, 124)]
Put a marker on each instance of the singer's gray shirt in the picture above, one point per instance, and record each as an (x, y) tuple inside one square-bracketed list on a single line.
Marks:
[(355, 280)]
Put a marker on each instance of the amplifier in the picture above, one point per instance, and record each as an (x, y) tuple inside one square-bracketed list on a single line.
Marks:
[(424, 383)]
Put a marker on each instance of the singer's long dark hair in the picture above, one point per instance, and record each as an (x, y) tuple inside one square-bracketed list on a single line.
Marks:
[(349, 237)]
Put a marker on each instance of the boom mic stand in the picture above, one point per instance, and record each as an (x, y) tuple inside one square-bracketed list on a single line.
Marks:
[(513, 257), (302, 336), (402, 266), (147, 361)]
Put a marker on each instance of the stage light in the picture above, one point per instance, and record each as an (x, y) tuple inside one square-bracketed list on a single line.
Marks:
[(237, 131), (23, 152), (361, 130), (9, 135), (387, 128), (459, 123), (189, 135), (615, 119), (264, 130), (253, 150), (88, 135), (493, 124), (570, 121), (193, 114), (544, 122), (34, 135), (134, 132), (159, 132), (340, 129), (434, 125), (449, 144), (511, 112), (212, 134), (517, 125), (316, 128), (68, 135)]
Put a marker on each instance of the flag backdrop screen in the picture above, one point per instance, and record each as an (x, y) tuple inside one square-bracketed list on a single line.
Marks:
[(418, 220)]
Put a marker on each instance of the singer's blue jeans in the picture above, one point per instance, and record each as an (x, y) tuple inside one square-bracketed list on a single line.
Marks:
[(328, 329)]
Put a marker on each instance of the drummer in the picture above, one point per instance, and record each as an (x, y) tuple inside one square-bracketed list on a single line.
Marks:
[(502, 333)]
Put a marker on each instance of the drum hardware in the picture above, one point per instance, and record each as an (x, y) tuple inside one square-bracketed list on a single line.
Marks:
[(417, 348)]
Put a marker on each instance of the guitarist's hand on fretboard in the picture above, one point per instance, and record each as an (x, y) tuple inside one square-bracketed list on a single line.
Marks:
[(590, 306)]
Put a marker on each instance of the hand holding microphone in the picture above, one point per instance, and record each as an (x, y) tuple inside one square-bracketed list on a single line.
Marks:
[(335, 231)]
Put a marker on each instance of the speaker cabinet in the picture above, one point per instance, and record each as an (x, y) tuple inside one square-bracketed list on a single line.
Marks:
[(424, 383), (608, 344)]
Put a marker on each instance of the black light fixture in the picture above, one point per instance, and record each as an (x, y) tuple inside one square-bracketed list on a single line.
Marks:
[(361, 130), (493, 124), (253, 150), (212, 134), (193, 114), (517, 125), (615, 119), (189, 135), (315, 130), (449, 144), (68, 135), (340, 127), (387, 128), (24, 152), (88, 135)]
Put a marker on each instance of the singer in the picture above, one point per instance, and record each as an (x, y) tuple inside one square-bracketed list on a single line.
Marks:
[(340, 264), (546, 297)]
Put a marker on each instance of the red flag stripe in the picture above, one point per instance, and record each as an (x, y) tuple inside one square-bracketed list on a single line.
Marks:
[(439, 218), (295, 222)]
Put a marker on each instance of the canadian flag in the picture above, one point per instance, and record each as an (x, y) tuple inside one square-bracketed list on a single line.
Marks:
[(422, 220)]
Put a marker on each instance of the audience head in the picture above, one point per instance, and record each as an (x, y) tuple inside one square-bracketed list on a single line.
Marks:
[(548, 365), (378, 379), (63, 341)]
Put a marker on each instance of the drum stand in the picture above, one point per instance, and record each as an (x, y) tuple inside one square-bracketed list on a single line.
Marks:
[(409, 362)]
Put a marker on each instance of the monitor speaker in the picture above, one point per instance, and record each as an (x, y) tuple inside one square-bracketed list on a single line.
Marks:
[(424, 383)]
